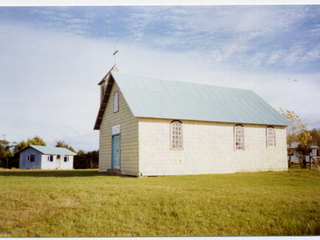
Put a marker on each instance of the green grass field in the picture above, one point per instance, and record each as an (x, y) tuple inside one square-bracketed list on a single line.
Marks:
[(87, 203)]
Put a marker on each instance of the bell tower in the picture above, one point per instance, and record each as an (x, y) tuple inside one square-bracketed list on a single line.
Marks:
[(104, 82)]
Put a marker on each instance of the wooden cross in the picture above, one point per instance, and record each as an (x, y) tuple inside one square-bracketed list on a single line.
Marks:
[(115, 56)]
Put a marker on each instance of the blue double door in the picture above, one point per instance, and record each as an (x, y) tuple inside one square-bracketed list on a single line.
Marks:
[(115, 156)]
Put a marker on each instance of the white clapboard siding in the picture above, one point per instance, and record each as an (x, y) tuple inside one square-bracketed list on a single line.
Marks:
[(129, 136)]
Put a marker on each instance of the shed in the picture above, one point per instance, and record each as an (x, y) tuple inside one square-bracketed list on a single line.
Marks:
[(43, 157), (293, 157), (151, 127)]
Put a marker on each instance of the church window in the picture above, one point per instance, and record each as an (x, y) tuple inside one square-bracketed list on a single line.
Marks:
[(239, 137), (116, 102), (176, 135), (271, 137)]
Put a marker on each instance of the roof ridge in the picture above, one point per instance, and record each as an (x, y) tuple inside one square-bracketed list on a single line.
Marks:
[(42, 149), (170, 80)]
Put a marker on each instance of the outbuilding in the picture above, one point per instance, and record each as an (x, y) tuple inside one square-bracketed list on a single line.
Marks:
[(152, 127), (43, 157), (294, 157)]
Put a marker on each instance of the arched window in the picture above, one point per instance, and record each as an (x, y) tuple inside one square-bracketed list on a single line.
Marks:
[(116, 102), (176, 135), (239, 137), (271, 137)]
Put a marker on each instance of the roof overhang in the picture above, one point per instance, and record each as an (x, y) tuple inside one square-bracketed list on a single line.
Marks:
[(26, 148), (106, 77), (45, 152), (104, 102)]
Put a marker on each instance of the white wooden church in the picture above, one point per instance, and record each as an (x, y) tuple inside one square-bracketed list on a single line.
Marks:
[(153, 127)]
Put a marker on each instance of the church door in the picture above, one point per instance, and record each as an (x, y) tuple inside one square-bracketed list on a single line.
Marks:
[(115, 154)]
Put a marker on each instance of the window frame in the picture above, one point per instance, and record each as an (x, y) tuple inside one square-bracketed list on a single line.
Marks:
[(51, 158), (180, 148), (66, 159), (114, 98), (274, 137), (32, 158), (235, 137)]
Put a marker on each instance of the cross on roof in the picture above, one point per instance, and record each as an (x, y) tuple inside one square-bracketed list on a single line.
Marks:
[(115, 56)]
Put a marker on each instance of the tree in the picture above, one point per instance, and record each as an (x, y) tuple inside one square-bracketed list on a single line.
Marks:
[(5, 152), (297, 133), (21, 145), (36, 140), (86, 160), (315, 134), (64, 145), (81, 152), (296, 128)]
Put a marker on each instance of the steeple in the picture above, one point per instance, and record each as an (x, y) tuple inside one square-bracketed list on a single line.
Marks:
[(105, 88), (114, 68)]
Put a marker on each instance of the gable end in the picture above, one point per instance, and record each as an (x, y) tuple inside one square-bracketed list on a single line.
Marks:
[(104, 103)]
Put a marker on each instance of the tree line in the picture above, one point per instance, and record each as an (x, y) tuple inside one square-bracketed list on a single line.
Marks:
[(9, 156)]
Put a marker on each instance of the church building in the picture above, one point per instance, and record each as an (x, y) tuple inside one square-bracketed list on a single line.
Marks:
[(155, 127)]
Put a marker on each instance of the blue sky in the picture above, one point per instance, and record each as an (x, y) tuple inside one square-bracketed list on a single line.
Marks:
[(51, 59)]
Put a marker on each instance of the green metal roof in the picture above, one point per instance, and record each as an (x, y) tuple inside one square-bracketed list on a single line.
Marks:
[(53, 150), (156, 98)]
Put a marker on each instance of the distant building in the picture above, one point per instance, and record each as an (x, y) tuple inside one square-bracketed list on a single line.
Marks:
[(292, 156), (42, 157), (151, 127)]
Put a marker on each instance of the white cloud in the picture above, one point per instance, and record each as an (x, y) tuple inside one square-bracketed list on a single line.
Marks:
[(139, 20), (233, 32), (238, 33), (63, 20), (275, 56), (313, 54), (294, 54), (49, 84)]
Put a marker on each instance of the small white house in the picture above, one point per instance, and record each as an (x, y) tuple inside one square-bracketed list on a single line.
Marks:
[(42, 157), (151, 127)]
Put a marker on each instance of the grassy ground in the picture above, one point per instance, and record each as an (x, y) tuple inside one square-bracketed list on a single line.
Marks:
[(88, 203)]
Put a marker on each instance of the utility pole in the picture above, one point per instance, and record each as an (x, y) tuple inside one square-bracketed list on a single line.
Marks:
[(4, 136)]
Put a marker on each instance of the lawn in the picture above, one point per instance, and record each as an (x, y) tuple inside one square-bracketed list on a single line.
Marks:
[(82, 203)]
